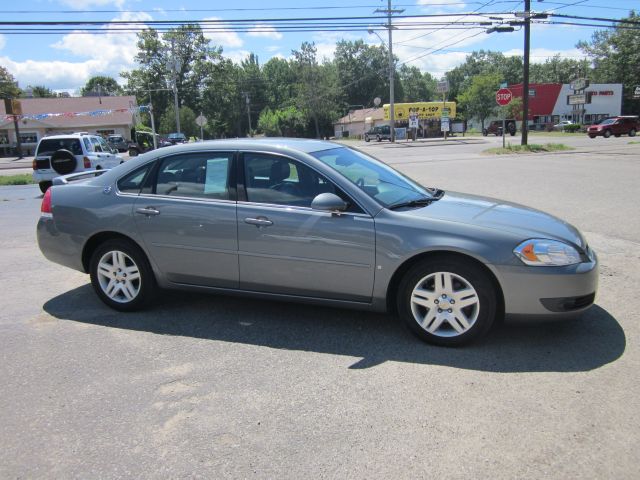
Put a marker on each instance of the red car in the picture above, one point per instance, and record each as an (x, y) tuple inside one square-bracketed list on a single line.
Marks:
[(623, 125)]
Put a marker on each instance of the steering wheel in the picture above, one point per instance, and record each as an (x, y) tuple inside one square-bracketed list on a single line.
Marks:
[(360, 182)]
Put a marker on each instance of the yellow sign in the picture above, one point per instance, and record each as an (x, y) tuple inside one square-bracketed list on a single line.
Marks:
[(425, 110)]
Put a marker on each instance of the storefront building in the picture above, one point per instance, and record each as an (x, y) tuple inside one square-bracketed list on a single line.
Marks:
[(42, 117)]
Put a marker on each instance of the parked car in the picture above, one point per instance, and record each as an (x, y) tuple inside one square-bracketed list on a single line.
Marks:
[(318, 223), (64, 154), (495, 128), (560, 126), (381, 132), (176, 138), (118, 142), (620, 125)]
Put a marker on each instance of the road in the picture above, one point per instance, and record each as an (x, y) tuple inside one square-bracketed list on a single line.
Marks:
[(217, 387)]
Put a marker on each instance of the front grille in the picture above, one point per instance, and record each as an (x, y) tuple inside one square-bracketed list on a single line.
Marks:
[(43, 164)]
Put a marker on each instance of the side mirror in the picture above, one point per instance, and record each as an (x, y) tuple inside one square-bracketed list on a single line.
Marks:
[(329, 202)]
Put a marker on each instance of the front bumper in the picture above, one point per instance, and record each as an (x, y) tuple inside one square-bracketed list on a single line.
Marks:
[(549, 291)]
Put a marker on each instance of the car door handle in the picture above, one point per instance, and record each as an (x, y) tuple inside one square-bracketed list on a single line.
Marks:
[(148, 211), (258, 222)]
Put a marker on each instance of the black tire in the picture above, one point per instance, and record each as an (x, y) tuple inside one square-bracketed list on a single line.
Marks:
[(632, 132), (133, 152), (144, 288), (378, 139), (63, 162), (606, 134), (479, 316), (366, 138), (617, 135), (44, 186), (485, 132), (592, 136)]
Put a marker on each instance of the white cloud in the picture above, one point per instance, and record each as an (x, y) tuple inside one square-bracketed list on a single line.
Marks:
[(84, 4), (224, 37), (237, 56), (265, 31), (440, 6), (104, 54), (3, 41), (540, 55)]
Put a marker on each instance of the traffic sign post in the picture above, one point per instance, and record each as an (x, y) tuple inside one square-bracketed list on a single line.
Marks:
[(201, 121), (503, 98)]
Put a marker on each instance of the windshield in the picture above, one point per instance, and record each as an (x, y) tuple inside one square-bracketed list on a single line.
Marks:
[(373, 177), (608, 121)]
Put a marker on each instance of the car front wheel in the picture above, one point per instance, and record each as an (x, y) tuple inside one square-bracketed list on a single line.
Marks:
[(122, 276), (606, 134), (447, 302)]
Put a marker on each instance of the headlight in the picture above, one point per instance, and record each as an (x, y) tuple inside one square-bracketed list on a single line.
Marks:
[(547, 253)]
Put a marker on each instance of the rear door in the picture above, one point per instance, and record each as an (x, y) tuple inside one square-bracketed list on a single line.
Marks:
[(288, 248), (187, 219)]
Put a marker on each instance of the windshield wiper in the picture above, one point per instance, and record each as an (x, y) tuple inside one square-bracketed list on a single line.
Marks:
[(418, 202)]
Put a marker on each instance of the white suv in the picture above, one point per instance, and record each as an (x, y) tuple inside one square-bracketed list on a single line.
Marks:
[(64, 154)]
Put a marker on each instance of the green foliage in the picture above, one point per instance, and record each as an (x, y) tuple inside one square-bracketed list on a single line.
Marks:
[(559, 70), (101, 85), (8, 85), (288, 122), (142, 128), (40, 91), (574, 127), (478, 99), (416, 86), (187, 122), (20, 179)]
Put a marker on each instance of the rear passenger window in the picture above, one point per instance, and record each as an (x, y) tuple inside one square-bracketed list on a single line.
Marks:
[(195, 175), (132, 183)]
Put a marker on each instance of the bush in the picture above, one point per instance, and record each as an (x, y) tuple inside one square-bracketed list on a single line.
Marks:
[(575, 127)]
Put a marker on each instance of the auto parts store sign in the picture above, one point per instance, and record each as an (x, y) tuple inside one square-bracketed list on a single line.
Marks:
[(424, 110)]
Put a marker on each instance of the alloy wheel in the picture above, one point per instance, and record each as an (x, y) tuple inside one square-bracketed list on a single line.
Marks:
[(119, 276)]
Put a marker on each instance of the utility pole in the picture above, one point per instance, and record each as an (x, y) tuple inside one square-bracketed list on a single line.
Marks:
[(248, 101), (174, 67), (153, 123), (389, 11), (525, 76)]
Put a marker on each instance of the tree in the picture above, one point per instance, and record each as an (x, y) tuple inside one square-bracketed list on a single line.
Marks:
[(8, 85), (362, 71), (288, 122), (187, 122), (478, 100), (101, 85), (40, 91), (616, 58), (280, 79), (416, 86), (559, 70)]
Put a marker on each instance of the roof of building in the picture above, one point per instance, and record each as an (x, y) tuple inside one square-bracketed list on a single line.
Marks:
[(75, 105), (361, 115)]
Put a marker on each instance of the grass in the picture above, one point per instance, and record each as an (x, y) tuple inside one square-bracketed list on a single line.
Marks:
[(531, 148), (633, 142), (20, 179)]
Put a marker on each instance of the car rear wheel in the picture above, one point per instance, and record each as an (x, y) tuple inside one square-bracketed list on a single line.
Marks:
[(133, 152), (485, 132), (606, 134), (447, 302), (121, 275), (632, 132), (366, 138), (63, 161), (378, 139), (44, 186)]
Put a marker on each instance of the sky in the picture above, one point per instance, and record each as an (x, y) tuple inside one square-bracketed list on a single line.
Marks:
[(65, 61)]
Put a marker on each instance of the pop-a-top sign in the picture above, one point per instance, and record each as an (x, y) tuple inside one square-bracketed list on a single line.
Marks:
[(424, 110)]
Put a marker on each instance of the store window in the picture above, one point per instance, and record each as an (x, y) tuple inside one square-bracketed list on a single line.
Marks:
[(28, 137), (4, 137), (105, 133)]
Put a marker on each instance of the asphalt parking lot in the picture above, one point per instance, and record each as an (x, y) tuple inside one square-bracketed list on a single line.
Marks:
[(218, 387)]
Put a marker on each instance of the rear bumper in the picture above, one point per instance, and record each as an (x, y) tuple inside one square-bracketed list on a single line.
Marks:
[(58, 247), (555, 292)]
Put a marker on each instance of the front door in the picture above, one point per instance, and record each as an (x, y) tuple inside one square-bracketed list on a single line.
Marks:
[(286, 247), (188, 220)]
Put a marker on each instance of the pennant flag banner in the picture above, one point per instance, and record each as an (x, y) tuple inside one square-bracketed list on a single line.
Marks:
[(94, 113)]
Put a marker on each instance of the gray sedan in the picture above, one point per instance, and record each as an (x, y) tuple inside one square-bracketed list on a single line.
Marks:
[(314, 222)]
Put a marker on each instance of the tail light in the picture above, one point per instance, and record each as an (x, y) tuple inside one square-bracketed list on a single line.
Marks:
[(45, 208), (34, 165), (87, 162)]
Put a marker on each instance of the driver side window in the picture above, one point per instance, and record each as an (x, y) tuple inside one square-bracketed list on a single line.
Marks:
[(283, 181)]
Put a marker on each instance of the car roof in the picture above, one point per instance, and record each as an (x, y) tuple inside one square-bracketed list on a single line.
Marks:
[(274, 144), (68, 135)]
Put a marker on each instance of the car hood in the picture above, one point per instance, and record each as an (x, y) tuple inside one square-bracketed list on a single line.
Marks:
[(497, 214)]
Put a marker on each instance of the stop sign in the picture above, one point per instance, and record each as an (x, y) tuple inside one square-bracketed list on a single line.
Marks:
[(504, 96)]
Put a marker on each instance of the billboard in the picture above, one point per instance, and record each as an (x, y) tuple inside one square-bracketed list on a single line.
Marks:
[(424, 110)]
